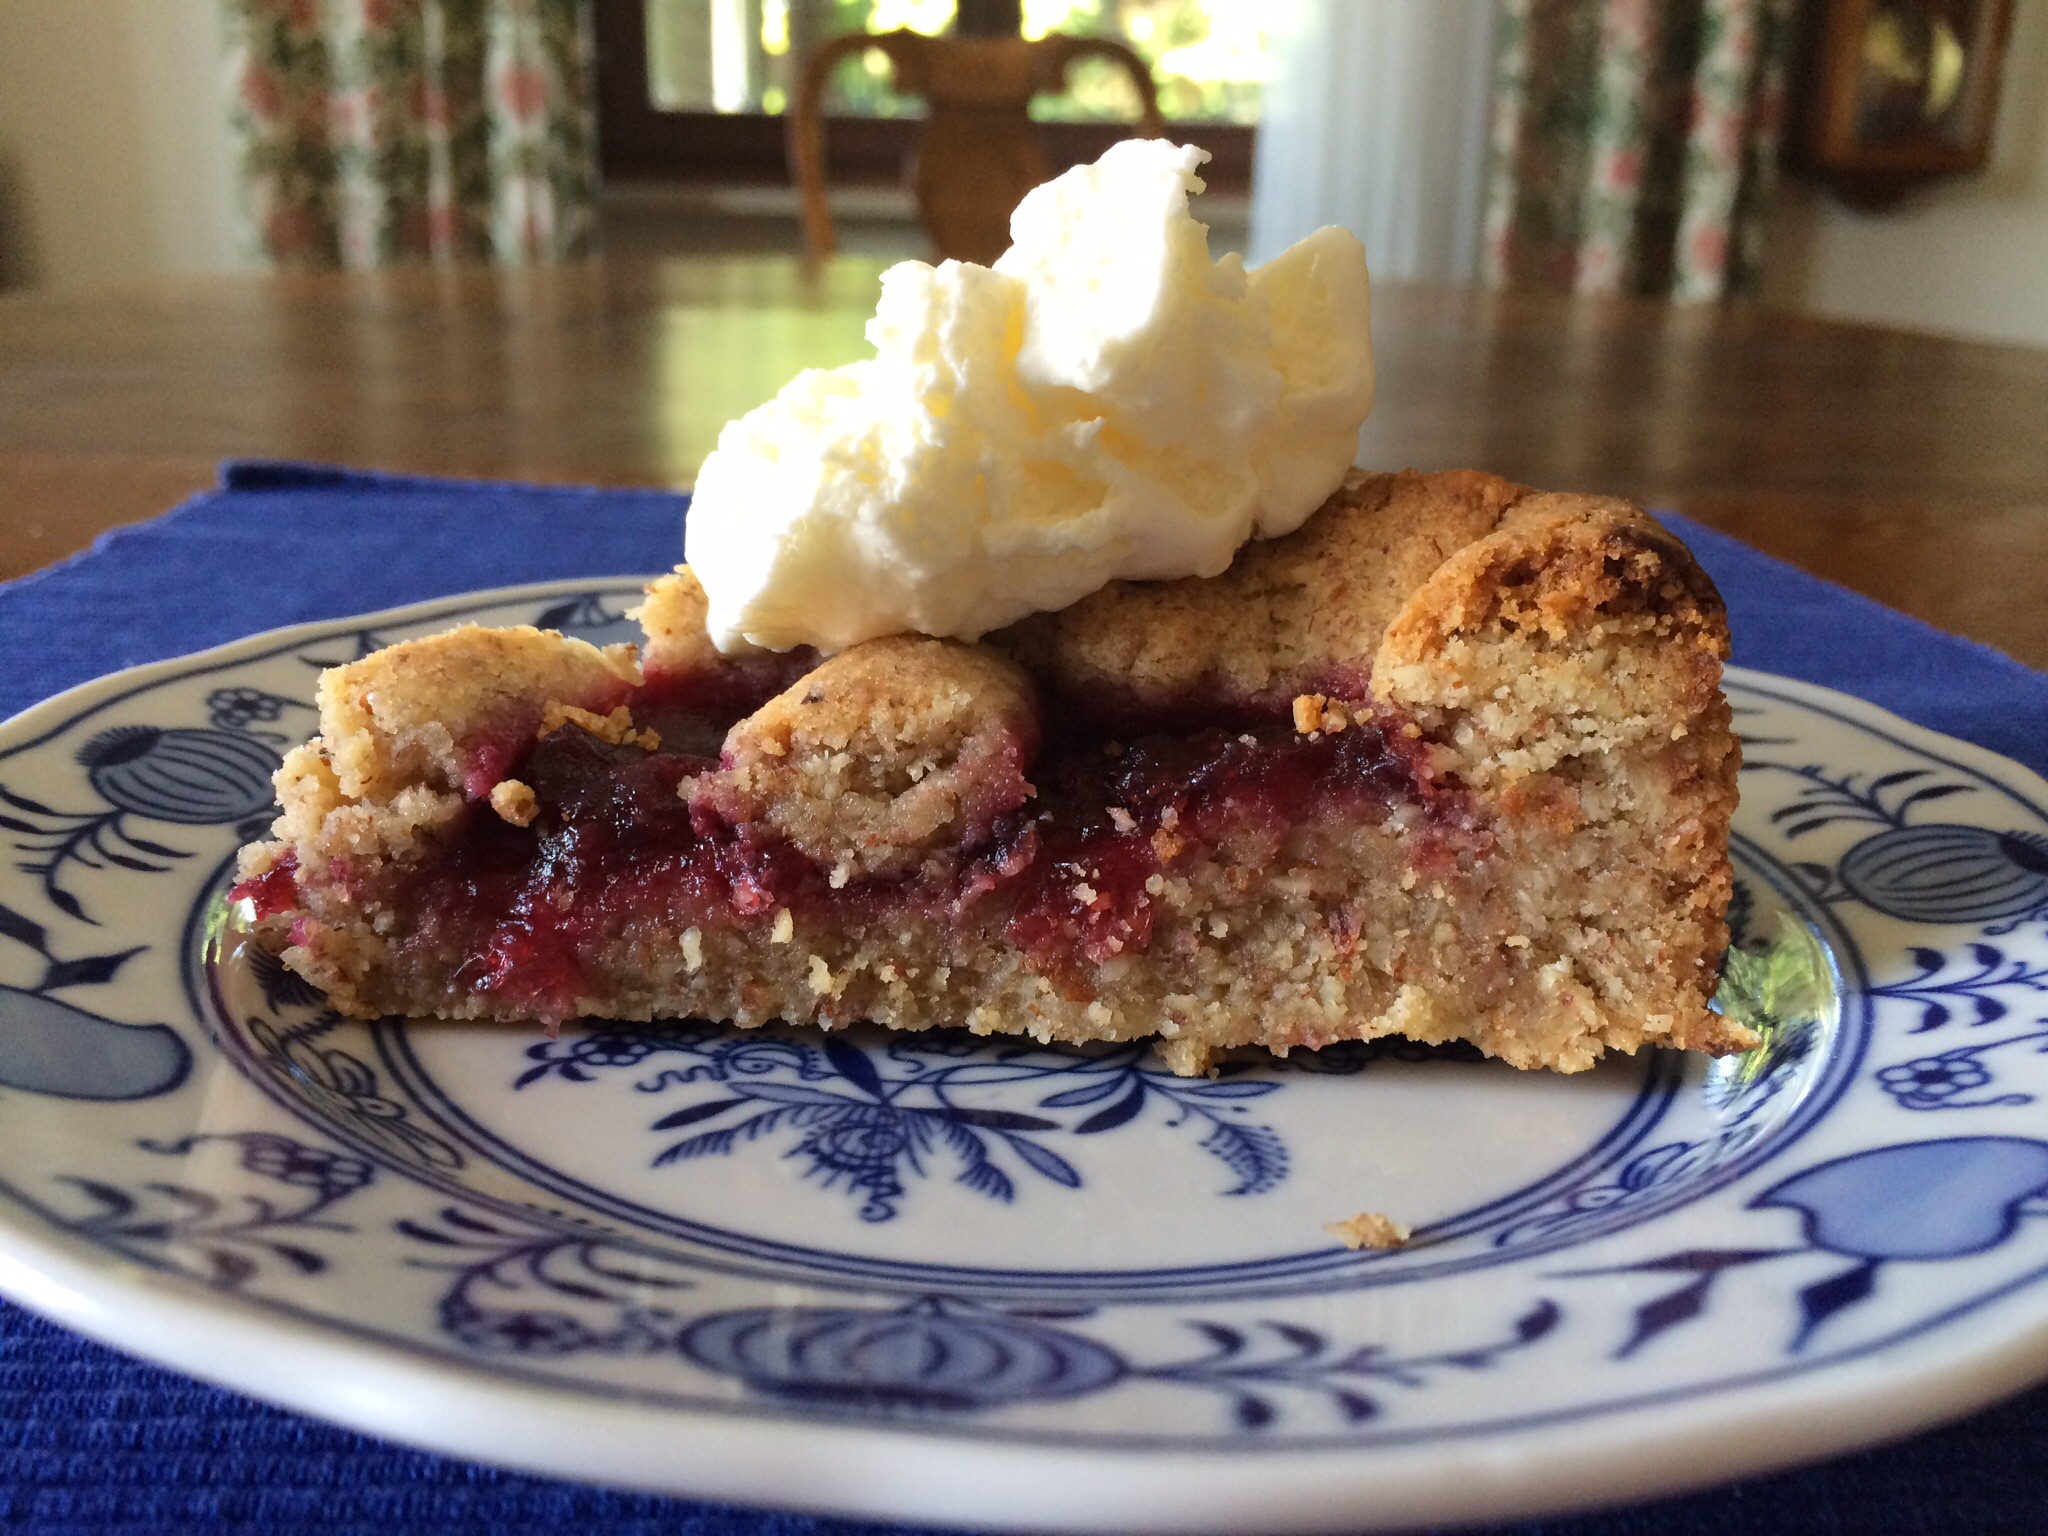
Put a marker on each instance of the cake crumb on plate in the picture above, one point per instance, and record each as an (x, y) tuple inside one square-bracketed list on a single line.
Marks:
[(1369, 1229)]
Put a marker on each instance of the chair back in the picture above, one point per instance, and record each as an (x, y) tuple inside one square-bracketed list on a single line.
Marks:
[(978, 154)]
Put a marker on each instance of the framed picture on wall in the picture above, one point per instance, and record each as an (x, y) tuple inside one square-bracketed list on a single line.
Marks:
[(1896, 93)]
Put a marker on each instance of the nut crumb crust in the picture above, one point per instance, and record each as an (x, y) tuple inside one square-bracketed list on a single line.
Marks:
[(1552, 662)]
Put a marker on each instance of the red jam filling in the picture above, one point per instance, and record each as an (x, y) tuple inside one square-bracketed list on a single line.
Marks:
[(1110, 817), (617, 853), (274, 892)]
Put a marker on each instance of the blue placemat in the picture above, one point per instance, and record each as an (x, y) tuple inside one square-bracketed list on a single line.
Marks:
[(92, 1441)]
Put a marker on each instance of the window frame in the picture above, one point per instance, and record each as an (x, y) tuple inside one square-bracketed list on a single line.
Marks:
[(639, 142)]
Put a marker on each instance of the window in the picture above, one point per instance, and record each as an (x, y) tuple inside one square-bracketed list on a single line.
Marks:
[(693, 89)]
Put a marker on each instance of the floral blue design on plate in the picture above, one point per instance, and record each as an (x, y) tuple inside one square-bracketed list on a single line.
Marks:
[(1006, 1281), (866, 1120)]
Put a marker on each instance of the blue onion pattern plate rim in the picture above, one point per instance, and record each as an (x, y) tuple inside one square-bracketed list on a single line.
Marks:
[(990, 1283)]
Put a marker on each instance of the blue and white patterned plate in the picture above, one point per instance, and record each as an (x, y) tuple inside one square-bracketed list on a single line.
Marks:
[(987, 1283)]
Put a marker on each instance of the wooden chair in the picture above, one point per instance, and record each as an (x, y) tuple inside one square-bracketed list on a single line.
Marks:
[(978, 155)]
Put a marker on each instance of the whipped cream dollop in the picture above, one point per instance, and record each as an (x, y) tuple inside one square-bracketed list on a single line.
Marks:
[(1105, 402)]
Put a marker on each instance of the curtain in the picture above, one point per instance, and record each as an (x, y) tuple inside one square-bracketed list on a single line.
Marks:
[(1375, 117), (375, 131), (1634, 143)]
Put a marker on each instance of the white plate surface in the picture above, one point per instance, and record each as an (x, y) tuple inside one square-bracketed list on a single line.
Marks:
[(990, 1284)]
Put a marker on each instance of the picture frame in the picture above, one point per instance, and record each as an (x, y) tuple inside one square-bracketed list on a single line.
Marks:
[(1893, 94)]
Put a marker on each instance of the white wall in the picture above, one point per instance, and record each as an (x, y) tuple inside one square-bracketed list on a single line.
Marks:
[(115, 159), (1969, 256)]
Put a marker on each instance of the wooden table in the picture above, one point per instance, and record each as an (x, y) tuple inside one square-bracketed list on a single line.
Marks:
[(1910, 468)]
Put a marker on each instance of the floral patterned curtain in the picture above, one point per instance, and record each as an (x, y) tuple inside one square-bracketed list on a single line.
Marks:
[(1634, 144), (374, 131)]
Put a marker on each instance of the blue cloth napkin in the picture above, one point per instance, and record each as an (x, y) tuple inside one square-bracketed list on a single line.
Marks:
[(91, 1441)]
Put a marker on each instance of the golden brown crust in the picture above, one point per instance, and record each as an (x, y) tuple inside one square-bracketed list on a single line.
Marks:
[(1577, 626), (1570, 660), (401, 717), (673, 616), (1294, 614), (887, 753)]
